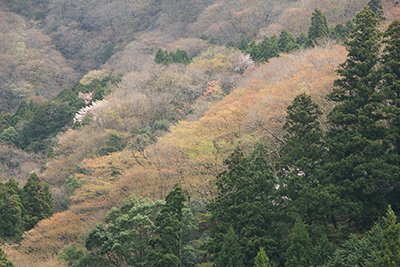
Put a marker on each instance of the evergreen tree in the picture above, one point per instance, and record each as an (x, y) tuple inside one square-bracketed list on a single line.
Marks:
[(338, 32), (169, 223), (318, 28), (299, 252), (22, 110), (389, 255), (266, 50), (37, 202), (252, 49), (9, 136), (376, 7), (284, 39), (4, 262), (303, 147), (261, 260), (160, 58), (274, 41), (230, 254), (391, 87), (348, 27), (358, 251), (244, 203), (12, 223), (301, 156), (322, 252), (357, 139), (301, 40), (243, 44)]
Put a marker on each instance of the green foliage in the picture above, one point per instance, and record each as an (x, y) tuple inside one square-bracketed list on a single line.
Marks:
[(9, 136), (128, 232), (287, 42), (376, 7), (322, 252), (115, 143), (243, 44), (302, 152), (261, 260), (264, 50), (166, 58), (390, 70), (11, 224), (4, 262), (304, 146), (231, 254), (170, 231), (72, 182), (390, 251), (39, 121), (244, 204), (318, 29), (37, 202), (142, 232), (299, 252), (356, 251), (301, 40), (21, 209), (71, 253), (159, 56), (357, 139)]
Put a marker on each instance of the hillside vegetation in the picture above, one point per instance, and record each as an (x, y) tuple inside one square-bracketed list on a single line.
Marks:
[(245, 141)]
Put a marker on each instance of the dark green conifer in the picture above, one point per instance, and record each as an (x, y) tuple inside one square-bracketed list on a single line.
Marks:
[(160, 58), (304, 146), (22, 109), (243, 44), (244, 203), (230, 254), (300, 249), (261, 260), (391, 84), (168, 243), (301, 40), (37, 202), (265, 50), (339, 32), (284, 39), (357, 138), (318, 29), (376, 7), (389, 255)]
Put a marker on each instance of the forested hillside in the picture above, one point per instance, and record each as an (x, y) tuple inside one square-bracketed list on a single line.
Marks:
[(199, 133)]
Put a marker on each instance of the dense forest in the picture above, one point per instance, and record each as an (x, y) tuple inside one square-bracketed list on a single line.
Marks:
[(199, 133)]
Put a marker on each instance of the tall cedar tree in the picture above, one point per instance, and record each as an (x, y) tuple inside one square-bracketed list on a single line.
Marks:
[(11, 224), (391, 87), (300, 249), (319, 27), (231, 254), (286, 41), (244, 203), (37, 202), (376, 7), (301, 155), (160, 58), (304, 146), (389, 255), (357, 137), (168, 242), (261, 259)]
